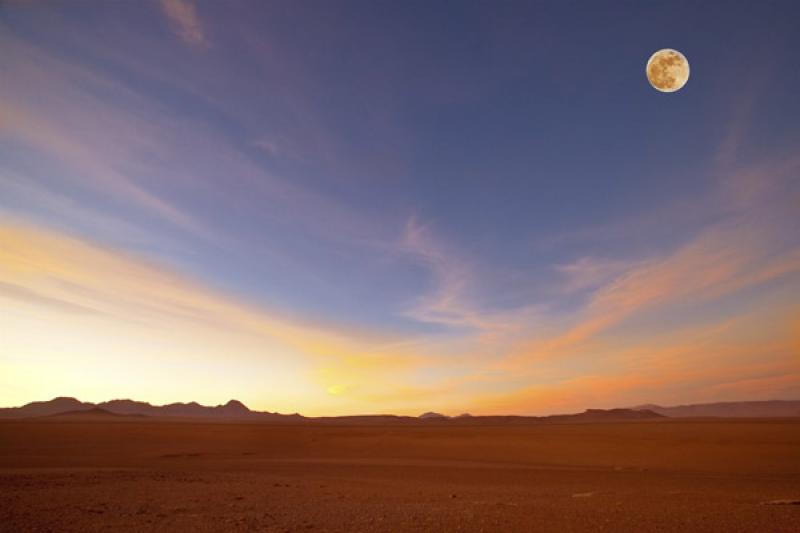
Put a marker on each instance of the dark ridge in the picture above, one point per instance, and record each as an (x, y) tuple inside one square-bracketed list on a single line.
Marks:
[(94, 412), (757, 409), (236, 410), (233, 409)]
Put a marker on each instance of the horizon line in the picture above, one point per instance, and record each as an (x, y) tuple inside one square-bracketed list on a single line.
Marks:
[(433, 414)]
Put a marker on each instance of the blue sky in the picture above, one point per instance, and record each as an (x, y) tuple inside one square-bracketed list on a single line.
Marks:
[(459, 187)]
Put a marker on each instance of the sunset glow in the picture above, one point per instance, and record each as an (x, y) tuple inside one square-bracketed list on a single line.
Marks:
[(325, 212)]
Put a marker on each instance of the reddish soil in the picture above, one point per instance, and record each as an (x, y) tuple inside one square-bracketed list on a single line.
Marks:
[(135, 474)]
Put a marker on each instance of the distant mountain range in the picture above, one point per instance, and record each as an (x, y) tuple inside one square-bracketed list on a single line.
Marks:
[(762, 409), (73, 409), (65, 407), (233, 409)]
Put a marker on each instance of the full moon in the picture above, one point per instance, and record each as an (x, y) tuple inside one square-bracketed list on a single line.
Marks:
[(668, 70)]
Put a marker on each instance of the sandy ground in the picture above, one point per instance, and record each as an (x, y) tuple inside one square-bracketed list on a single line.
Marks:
[(142, 475)]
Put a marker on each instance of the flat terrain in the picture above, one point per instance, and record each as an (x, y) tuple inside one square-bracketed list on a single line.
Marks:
[(158, 475)]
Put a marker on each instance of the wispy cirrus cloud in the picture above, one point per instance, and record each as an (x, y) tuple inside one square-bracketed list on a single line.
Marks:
[(49, 138), (748, 247), (446, 302), (29, 296), (183, 17), (591, 272), (454, 296), (128, 147)]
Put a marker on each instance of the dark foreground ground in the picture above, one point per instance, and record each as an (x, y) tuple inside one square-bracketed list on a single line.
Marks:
[(141, 475)]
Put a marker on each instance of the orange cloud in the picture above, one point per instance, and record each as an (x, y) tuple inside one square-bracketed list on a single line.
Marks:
[(781, 386), (753, 356), (722, 260)]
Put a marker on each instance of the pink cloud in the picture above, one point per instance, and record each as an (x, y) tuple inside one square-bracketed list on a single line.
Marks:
[(183, 15)]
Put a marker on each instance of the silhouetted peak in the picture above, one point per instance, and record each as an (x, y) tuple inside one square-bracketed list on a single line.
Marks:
[(63, 403), (431, 414), (65, 399), (125, 401), (646, 407), (235, 406)]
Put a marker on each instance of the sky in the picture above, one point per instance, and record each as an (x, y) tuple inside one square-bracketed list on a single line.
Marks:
[(394, 207)]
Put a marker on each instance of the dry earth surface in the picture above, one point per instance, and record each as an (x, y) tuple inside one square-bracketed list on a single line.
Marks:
[(138, 474)]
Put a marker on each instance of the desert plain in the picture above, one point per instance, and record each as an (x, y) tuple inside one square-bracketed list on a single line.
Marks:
[(89, 473)]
